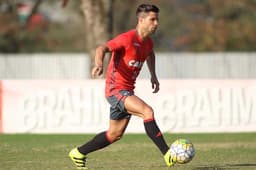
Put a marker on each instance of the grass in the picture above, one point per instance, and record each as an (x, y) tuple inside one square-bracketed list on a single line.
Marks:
[(134, 152)]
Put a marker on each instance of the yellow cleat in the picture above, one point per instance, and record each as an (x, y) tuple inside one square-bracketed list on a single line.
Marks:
[(78, 159), (168, 159)]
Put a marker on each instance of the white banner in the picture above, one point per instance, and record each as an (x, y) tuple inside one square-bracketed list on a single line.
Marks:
[(52, 106)]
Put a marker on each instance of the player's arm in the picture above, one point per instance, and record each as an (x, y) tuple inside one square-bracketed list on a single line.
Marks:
[(99, 58), (152, 70)]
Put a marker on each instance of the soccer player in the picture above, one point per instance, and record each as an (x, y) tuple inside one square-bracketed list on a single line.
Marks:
[(129, 51)]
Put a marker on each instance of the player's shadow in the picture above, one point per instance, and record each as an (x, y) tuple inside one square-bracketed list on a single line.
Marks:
[(226, 166)]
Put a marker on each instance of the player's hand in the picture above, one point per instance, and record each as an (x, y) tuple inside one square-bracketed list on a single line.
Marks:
[(97, 71), (155, 85)]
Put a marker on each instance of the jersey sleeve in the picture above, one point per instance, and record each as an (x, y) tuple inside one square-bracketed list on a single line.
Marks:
[(116, 43)]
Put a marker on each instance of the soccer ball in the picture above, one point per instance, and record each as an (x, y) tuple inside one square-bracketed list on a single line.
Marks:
[(182, 151)]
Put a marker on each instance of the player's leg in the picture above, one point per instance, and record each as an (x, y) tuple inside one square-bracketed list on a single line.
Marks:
[(119, 119), (138, 107), (135, 106), (101, 140), (117, 129)]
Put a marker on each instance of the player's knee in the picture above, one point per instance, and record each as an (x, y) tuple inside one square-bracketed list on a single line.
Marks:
[(115, 136), (148, 112)]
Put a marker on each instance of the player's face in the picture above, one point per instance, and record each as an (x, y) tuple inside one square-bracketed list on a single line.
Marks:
[(150, 22)]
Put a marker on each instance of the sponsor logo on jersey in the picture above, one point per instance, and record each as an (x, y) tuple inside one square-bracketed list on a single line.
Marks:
[(134, 63)]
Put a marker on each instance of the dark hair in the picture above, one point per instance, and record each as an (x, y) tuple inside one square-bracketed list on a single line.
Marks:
[(146, 8)]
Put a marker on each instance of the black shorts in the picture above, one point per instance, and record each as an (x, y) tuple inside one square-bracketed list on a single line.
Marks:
[(117, 109)]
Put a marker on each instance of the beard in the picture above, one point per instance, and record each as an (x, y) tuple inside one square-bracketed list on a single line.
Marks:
[(152, 31)]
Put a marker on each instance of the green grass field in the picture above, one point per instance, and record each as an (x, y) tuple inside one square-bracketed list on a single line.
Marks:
[(133, 152)]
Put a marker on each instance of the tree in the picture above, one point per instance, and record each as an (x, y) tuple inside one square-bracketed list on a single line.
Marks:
[(98, 19), (98, 24)]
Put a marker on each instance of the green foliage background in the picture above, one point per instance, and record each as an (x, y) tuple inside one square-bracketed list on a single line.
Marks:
[(185, 25)]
